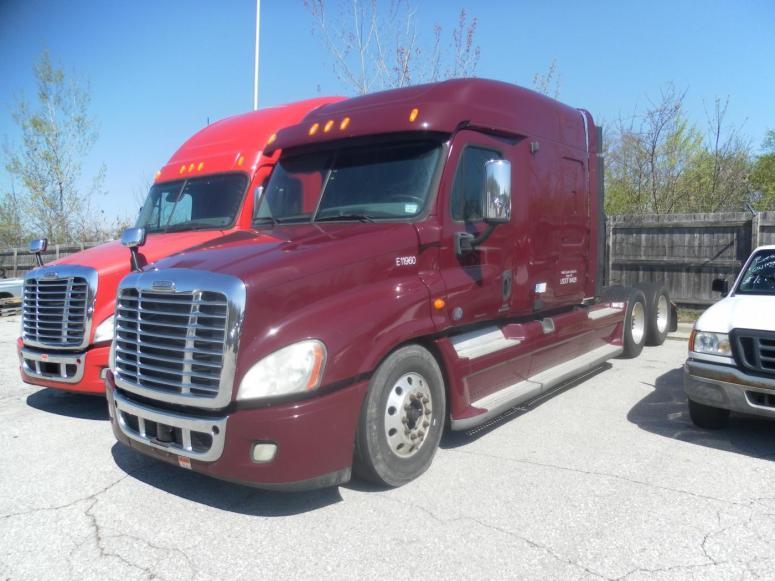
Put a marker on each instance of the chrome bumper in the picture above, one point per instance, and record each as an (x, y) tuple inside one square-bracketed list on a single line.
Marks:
[(729, 388), (148, 422), (66, 368)]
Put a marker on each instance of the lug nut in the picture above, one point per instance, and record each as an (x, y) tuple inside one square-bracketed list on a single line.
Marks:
[(425, 424), (425, 399)]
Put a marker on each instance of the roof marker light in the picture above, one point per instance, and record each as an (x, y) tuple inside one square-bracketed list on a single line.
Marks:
[(329, 124), (241, 160), (200, 166), (343, 125), (413, 115), (314, 128), (182, 168), (272, 139), (191, 167), (158, 173)]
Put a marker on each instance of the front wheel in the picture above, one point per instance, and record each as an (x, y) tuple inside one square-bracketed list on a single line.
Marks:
[(402, 418), (708, 417)]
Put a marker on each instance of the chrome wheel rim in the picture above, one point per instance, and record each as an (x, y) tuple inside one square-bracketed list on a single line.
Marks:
[(638, 322), (408, 414), (663, 314)]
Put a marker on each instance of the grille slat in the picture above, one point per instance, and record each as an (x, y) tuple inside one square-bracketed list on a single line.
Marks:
[(55, 311), (159, 338)]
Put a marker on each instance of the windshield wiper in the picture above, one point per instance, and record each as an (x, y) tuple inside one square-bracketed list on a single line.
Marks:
[(190, 226), (346, 217)]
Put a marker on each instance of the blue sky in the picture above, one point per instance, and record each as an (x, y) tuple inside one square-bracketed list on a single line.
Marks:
[(158, 70)]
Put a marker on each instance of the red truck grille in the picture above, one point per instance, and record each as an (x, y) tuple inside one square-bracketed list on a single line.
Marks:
[(54, 311), (755, 350), (171, 342)]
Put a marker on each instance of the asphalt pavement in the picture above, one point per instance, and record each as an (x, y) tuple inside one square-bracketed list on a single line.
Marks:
[(608, 479)]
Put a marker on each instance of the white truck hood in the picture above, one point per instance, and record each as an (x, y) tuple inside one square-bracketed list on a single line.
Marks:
[(739, 312)]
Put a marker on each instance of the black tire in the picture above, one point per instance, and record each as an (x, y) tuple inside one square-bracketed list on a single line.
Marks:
[(634, 324), (407, 376), (658, 313), (708, 417)]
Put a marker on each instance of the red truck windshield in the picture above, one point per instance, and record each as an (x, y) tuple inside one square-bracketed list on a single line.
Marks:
[(372, 182), (194, 204)]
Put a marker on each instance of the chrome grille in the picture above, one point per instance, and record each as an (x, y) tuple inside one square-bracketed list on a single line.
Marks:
[(171, 342), (57, 306)]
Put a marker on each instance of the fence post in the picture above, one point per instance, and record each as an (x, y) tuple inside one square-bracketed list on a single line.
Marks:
[(57, 249), (15, 263), (609, 243), (755, 227)]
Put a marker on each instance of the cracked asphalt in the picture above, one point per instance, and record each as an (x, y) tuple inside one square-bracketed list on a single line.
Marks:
[(605, 480)]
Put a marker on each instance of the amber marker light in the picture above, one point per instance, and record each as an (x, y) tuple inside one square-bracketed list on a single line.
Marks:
[(200, 166), (241, 160), (413, 115), (314, 128), (439, 304), (272, 139), (182, 168), (343, 125), (191, 167), (691, 339), (329, 124), (158, 174)]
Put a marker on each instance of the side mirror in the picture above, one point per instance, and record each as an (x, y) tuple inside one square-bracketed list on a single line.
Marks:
[(133, 238), (497, 191), (38, 246), (720, 285)]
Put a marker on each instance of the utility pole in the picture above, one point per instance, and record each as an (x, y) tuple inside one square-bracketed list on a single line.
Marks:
[(255, 63)]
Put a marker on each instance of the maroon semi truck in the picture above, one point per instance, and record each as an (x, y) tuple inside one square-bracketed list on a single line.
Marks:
[(422, 257)]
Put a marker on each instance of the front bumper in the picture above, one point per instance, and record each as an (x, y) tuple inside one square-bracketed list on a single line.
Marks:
[(314, 438), (80, 372), (727, 387)]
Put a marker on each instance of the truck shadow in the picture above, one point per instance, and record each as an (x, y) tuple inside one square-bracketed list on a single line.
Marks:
[(665, 412), (219, 494), (72, 405)]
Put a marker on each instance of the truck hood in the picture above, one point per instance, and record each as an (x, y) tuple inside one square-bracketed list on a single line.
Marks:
[(266, 258), (739, 312)]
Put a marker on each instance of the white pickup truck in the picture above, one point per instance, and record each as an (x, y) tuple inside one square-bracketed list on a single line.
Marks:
[(731, 364)]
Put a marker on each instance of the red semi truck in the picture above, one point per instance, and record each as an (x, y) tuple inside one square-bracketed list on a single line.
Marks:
[(422, 257), (203, 192)]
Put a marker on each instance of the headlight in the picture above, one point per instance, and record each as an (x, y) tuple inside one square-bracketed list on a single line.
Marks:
[(710, 343), (105, 330), (297, 368)]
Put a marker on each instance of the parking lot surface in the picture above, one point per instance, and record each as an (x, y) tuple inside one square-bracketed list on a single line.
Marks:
[(605, 480)]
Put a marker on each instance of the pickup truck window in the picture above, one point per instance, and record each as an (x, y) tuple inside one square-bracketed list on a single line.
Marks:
[(208, 202), (373, 182), (759, 277), (468, 190)]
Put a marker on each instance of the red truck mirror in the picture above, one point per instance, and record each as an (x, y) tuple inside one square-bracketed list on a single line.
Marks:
[(37, 246), (133, 238), (497, 191)]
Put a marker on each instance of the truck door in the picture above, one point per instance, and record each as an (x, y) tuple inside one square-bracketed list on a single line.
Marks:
[(478, 283)]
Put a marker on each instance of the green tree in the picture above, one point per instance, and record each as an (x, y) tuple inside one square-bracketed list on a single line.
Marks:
[(763, 175), (56, 135)]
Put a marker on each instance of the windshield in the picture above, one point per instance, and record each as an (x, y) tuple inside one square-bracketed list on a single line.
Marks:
[(193, 204), (759, 277), (368, 183)]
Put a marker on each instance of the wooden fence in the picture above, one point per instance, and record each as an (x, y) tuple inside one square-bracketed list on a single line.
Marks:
[(14, 262), (684, 251)]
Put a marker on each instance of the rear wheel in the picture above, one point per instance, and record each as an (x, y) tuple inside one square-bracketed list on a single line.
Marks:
[(657, 313), (708, 417), (635, 324), (402, 418)]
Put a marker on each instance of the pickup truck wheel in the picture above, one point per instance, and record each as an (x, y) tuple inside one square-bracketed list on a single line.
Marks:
[(635, 324), (402, 418), (657, 313), (708, 417)]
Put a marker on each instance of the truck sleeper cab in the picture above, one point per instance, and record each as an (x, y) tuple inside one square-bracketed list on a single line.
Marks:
[(421, 257), (203, 192), (731, 362)]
